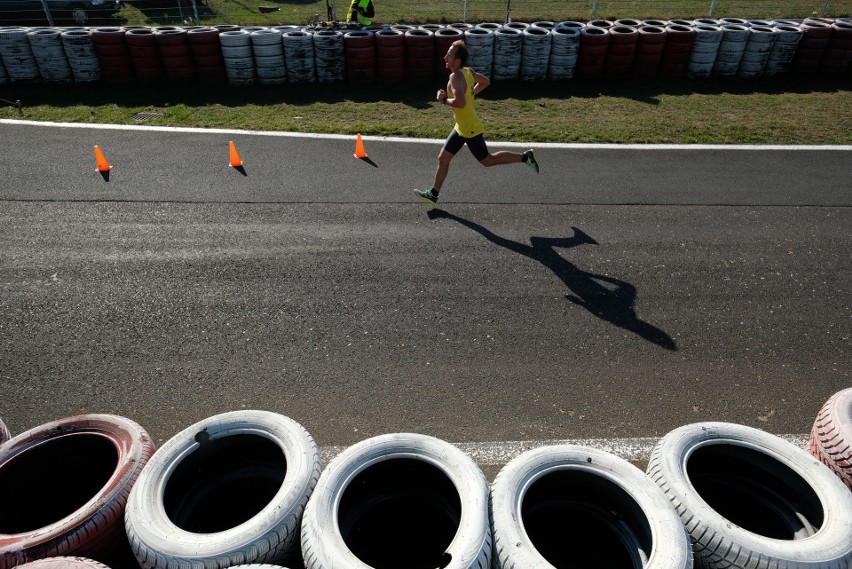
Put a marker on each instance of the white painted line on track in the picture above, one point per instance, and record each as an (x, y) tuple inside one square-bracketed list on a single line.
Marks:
[(398, 139), (499, 453)]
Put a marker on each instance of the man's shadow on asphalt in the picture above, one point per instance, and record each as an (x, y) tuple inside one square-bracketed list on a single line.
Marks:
[(615, 305)]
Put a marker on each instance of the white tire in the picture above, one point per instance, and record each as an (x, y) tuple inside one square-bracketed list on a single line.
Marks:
[(752, 500), (228, 490), (561, 506), (257, 566), (63, 563), (398, 500), (5, 435)]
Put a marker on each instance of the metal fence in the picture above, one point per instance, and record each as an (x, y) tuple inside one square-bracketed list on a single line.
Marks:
[(300, 12)]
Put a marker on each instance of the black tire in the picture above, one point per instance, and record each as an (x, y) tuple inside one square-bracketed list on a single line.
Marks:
[(752, 500), (229, 490), (561, 506), (65, 485), (399, 500)]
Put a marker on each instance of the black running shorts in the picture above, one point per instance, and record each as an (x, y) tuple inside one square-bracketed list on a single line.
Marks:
[(476, 144)]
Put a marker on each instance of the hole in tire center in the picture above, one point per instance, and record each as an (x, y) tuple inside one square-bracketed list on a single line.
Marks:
[(224, 482), (577, 520), (54, 479), (400, 513), (755, 491)]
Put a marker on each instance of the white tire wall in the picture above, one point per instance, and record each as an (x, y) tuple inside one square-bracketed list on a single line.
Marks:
[(831, 436), (398, 500), (228, 490), (64, 486), (752, 500), (572, 506)]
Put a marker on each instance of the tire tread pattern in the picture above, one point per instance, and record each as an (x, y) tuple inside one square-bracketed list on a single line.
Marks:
[(828, 443)]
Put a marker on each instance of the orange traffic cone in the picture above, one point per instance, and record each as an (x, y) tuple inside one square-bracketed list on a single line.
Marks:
[(103, 165), (235, 158), (359, 148)]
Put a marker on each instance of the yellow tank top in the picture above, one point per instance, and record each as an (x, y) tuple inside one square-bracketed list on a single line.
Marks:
[(467, 123)]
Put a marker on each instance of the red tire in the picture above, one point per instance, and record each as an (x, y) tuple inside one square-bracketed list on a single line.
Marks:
[(63, 563), (831, 437), (65, 486)]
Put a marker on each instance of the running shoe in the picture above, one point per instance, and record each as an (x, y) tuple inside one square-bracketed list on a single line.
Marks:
[(427, 195), (530, 161)]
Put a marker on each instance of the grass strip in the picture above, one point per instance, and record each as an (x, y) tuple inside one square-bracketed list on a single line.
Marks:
[(763, 111)]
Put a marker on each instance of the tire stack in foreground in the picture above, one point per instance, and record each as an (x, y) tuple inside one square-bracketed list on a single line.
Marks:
[(246, 489), (81, 470)]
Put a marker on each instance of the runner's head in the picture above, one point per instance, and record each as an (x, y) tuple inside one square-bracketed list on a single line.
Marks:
[(460, 51)]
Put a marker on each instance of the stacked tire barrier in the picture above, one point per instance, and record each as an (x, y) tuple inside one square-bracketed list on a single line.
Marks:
[(599, 49), (573, 506), (564, 47), (328, 56), (838, 53), (18, 59), (175, 53), (730, 54), (679, 43), (784, 49), (228, 490), (113, 55), (480, 43), (708, 37), (267, 48), (621, 51), (247, 489), (757, 50), (144, 54), (50, 57), (207, 54), (79, 47), (508, 49), (390, 51), (649, 50), (751, 499), (419, 55), (81, 469), (299, 53), (359, 48), (815, 37), (594, 43), (535, 54), (238, 57), (399, 500)]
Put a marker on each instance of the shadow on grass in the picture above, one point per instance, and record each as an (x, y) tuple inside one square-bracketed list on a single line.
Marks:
[(416, 96)]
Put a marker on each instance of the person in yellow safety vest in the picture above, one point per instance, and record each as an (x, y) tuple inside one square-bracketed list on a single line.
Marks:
[(361, 11)]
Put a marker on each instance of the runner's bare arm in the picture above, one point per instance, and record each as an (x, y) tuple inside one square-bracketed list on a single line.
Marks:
[(480, 82)]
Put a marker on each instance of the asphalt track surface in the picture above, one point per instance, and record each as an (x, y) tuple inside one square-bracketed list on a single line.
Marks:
[(622, 293)]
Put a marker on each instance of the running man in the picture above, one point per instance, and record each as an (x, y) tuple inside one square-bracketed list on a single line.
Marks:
[(463, 86)]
